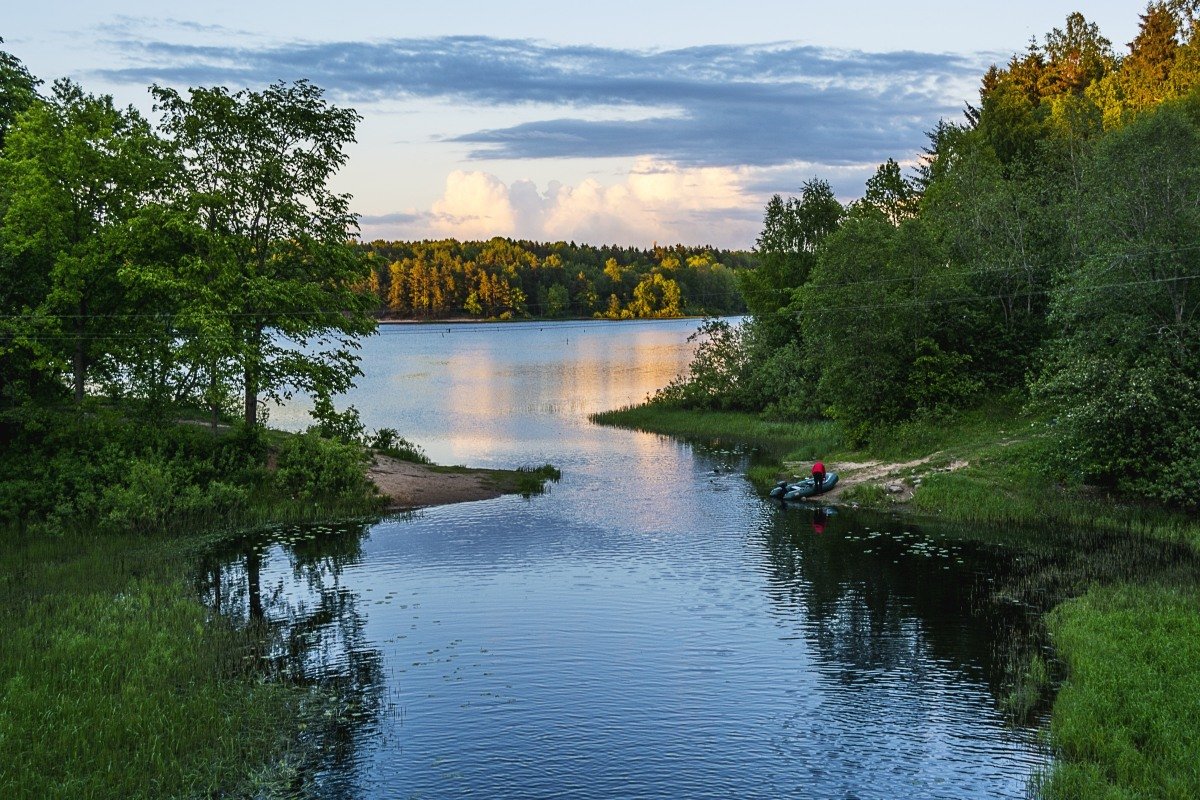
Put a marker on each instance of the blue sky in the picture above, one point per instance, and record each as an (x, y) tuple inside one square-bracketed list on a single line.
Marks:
[(625, 122)]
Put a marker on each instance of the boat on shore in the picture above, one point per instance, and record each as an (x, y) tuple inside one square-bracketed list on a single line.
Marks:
[(805, 488)]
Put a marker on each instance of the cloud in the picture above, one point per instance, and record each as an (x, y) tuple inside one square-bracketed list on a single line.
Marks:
[(716, 105), (656, 201)]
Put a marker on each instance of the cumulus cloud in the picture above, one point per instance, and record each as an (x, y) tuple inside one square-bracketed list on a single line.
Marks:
[(656, 201)]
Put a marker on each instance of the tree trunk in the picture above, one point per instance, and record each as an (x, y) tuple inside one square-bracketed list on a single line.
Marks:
[(251, 377), (79, 365), (251, 397), (213, 406)]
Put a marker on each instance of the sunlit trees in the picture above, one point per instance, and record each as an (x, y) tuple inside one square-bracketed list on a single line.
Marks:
[(1123, 374)]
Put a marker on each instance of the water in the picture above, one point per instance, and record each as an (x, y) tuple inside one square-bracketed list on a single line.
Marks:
[(651, 628)]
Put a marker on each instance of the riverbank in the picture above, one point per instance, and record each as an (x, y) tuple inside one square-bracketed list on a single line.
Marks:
[(116, 682), (115, 679), (406, 485), (1121, 619)]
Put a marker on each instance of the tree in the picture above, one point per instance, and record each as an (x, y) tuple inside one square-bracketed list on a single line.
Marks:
[(274, 237), (787, 246), (18, 91), (1077, 57), (77, 169), (890, 193), (1122, 376)]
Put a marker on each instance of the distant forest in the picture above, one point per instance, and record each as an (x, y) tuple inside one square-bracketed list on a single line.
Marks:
[(507, 279)]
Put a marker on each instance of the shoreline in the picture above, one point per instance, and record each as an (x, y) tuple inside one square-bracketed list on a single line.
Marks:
[(407, 486)]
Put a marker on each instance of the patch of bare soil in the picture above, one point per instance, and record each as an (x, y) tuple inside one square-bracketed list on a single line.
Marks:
[(895, 477), (407, 485)]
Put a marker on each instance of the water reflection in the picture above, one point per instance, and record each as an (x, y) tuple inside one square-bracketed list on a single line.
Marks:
[(287, 583), (651, 628)]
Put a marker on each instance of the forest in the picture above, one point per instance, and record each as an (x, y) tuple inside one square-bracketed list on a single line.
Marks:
[(507, 279), (1045, 249)]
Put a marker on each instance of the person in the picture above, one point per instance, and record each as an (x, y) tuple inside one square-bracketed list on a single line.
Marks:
[(818, 475)]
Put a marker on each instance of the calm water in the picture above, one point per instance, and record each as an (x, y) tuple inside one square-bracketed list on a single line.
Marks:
[(651, 628)]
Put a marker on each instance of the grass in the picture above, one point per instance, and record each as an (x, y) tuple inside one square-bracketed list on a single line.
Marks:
[(114, 681), (811, 438), (1126, 723)]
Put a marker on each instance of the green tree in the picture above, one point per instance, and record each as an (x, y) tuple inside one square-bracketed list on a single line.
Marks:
[(76, 170), (18, 91), (1123, 373), (274, 236), (891, 194), (787, 246)]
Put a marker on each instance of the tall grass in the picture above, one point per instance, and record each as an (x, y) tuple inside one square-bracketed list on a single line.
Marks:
[(811, 439), (1127, 723), (115, 683)]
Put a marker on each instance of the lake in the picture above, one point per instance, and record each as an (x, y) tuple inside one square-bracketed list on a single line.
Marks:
[(650, 628)]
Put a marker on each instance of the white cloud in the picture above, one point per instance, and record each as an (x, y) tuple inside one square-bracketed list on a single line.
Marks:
[(656, 201)]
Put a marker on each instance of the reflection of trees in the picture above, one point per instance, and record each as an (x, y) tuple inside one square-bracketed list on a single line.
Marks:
[(886, 610), (889, 609), (308, 629)]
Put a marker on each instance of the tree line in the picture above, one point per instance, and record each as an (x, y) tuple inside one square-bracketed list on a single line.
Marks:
[(201, 259), (506, 279), (1045, 248)]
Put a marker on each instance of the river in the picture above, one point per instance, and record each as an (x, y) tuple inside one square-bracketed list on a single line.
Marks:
[(649, 628)]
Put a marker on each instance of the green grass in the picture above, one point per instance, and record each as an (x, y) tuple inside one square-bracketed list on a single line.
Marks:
[(115, 683), (811, 438), (1127, 722)]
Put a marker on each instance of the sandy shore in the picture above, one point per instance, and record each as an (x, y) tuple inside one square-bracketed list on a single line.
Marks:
[(407, 485)]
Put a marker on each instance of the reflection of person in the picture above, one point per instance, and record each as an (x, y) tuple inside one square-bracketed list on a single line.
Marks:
[(818, 475), (819, 520)]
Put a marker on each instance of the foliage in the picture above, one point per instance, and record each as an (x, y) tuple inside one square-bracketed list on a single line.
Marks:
[(714, 375), (312, 467), (389, 442), (506, 279), (1123, 374)]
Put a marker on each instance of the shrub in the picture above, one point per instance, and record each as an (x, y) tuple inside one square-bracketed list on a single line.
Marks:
[(313, 467), (389, 442)]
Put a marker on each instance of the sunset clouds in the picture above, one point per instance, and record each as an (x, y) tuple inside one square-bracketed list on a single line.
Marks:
[(655, 202)]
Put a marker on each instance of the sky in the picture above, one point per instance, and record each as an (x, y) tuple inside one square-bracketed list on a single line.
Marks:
[(615, 122)]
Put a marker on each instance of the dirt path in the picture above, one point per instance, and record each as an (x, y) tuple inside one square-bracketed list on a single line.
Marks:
[(894, 477), (407, 485)]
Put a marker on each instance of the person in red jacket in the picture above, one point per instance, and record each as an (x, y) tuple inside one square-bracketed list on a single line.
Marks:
[(818, 474)]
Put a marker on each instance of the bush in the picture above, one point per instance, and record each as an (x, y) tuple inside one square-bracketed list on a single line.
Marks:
[(313, 467), (389, 442)]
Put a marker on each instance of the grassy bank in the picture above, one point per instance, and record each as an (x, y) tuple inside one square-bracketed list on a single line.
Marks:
[(1127, 723), (116, 683), (1003, 482), (1121, 581), (811, 438)]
